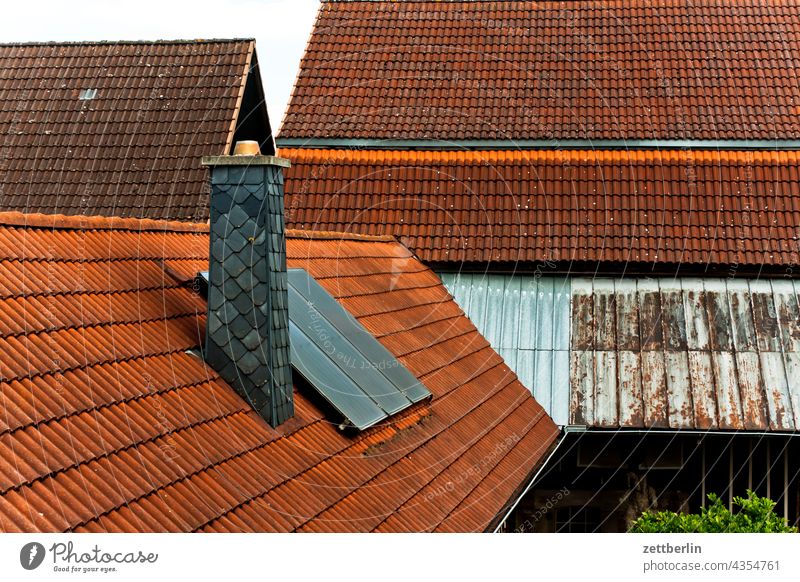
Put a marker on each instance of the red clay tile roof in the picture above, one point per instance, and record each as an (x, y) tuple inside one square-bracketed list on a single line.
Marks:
[(132, 150), (620, 69), (108, 424), (681, 207)]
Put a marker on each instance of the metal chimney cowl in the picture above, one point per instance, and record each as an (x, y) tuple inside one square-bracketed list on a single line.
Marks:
[(247, 332)]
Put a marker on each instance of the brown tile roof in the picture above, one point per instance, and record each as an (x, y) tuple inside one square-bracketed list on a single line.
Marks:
[(132, 150), (108, 424), (681, 207), (619, 69)]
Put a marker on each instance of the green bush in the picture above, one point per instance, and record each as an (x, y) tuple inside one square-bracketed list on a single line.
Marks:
[(752, 514)]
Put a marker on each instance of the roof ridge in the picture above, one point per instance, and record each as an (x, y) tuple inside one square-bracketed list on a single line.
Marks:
[(333, 235), (161, 41), (82, 222), (86, 222)]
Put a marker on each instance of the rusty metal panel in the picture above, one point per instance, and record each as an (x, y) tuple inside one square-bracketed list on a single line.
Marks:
[(720, 332), (765, 318), (729, 402), (751, 390), (631, 405), (694, 298), (777, 390), (672, 314), (651, 330), (744, 333), (679, 392), (654, 390), (605, 315), (582, 388), (582, 314), (606, 394), (788, 314), (704, 400), (704, 353), (627, 316), (793, 383)]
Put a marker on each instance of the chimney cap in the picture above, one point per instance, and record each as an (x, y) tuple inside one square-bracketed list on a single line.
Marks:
[(246, 161), (247, 147)]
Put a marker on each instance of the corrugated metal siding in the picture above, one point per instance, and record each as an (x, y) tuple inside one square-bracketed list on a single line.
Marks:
[(646, 353), (526, 319), (711, 354)]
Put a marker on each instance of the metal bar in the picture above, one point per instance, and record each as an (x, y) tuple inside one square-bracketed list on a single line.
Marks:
[(769, 473), (786, 483), (730, 477), (750, 464), (535, 144), (703, 472)]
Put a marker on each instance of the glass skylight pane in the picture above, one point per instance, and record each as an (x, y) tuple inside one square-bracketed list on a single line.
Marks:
[(332, 384), (346, 350), (372, 350), (343, 355)]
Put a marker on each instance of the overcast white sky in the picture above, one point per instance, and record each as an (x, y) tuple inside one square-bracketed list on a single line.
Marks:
[(280, 27)]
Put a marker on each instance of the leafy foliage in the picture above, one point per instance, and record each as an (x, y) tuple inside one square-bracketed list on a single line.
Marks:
[(752, 514)]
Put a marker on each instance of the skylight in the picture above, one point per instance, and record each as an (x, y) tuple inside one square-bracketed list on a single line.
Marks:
[(87, 94), (340, 359)]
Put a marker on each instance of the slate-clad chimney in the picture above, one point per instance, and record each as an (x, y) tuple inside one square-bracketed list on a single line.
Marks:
[(247, 333)]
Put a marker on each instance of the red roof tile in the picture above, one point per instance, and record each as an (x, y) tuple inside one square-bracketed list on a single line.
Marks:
[(681, 207), (109, 424), (619, 69), (132, 149)]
